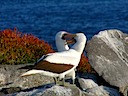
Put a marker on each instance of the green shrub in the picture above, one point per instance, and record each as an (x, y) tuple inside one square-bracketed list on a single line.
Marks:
[(18, 48)]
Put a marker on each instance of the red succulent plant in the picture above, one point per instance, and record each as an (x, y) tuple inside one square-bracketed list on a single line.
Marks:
[(18, 48)]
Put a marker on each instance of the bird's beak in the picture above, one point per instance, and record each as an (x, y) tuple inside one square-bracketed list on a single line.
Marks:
[(70, 38), (71, 41)]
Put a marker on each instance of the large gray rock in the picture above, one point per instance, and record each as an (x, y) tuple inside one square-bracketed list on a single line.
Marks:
[(55, 90), (62, 91), (86, 83), (108, 55), (10, 78), (101, 91), (90, 88)]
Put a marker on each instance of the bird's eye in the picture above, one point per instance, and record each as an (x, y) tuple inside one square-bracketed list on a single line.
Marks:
[(63, 37)]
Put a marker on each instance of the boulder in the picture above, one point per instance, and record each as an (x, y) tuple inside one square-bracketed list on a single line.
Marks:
[(101, 91), (10, 78), (51, 90), (86, 83), (90, 88), (62, 91), (2, 79), (108, 55)]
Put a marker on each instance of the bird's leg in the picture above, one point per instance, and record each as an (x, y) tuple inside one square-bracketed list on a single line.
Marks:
[(73, 81), (59, 82), (65, 84), (63, 81), (56, 80), (73, 77)]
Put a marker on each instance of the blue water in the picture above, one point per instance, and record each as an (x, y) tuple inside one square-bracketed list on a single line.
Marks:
[(44, 18)]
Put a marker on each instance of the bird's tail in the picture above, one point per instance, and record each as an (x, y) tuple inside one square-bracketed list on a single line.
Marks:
[(31, 72)]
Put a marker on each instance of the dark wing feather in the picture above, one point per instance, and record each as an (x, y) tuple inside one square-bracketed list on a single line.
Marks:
[(52, 67)]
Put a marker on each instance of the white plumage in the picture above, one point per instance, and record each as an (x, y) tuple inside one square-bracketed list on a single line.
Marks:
[(67, 58), (61, 43)]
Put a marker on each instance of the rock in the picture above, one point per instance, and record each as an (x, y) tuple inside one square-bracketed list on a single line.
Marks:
[(2, 94), (62, 91), (2, 79), (10, 90), (10, 77), (56, 90), (86, 83), (69, 90), (92, 89), (101, 91), (108, 55)]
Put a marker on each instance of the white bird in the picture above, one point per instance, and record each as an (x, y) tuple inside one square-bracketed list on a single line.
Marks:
[(62, 45), (62, 63)]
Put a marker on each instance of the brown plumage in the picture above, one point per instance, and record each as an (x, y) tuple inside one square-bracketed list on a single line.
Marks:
[(52, 67)]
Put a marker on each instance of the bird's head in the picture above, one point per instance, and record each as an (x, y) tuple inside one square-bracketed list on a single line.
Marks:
[(69, 38)]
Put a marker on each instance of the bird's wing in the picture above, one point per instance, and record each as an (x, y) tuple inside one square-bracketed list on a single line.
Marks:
[(57, 62), (52, 67), (65, 57)]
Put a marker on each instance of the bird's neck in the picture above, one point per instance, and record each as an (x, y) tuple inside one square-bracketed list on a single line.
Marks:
[(62, 48), (61, 45), (79, 47)]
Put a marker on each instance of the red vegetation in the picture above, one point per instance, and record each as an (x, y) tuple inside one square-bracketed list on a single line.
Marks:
[(84, 65), (18, 48)]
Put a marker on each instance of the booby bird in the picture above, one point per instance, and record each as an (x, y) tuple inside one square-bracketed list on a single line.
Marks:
[(62, 63), (62, 45)]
